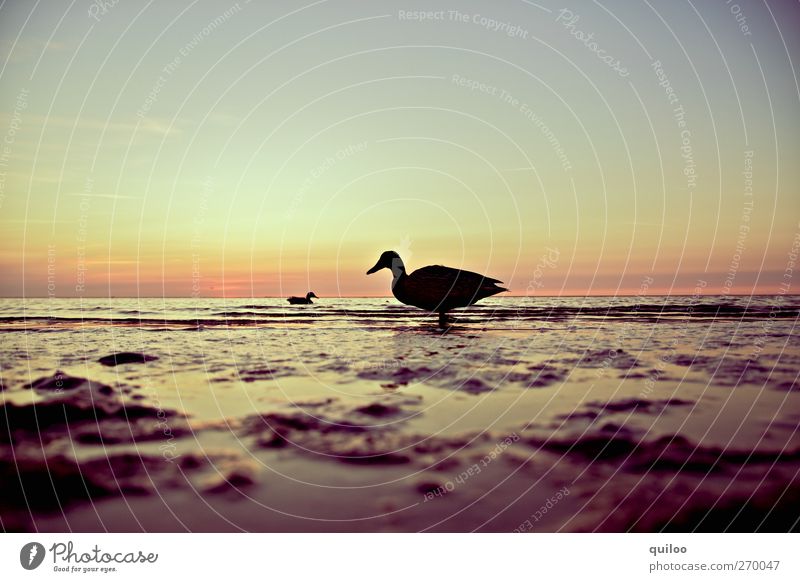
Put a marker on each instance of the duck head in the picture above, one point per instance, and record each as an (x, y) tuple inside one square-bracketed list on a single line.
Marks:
[(311, 294), (389, 260)]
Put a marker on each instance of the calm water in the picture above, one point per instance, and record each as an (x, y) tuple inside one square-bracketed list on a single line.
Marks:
[(360, 414), (495, 313)]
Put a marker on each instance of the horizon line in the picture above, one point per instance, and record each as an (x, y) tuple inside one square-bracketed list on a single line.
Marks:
[(761, 294)]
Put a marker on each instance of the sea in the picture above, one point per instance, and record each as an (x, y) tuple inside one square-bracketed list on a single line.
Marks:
[(360, 414)]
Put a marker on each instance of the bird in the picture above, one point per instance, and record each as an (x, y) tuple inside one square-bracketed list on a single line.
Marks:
[(302, 300), (436, 288)]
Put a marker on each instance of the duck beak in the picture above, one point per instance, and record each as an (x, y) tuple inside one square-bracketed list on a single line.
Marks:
[(376, 268)]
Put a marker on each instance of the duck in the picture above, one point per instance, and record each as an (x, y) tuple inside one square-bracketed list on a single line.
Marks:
[(302, 300), (436, 288)]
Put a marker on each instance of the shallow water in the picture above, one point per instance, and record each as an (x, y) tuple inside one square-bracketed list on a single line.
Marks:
[(534, 414)]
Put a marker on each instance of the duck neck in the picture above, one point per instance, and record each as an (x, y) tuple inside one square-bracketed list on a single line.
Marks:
[(398, 271)]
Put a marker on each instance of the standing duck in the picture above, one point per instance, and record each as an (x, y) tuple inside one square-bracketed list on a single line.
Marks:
[(302, 300), (436, 288)]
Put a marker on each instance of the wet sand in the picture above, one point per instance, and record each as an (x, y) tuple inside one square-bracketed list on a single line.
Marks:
[(601, 414)]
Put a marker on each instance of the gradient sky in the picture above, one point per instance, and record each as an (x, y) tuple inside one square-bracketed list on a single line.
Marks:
[(240, 149)]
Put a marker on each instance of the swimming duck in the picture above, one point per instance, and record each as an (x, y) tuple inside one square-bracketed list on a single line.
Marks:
[(302, 300), (436, 288)]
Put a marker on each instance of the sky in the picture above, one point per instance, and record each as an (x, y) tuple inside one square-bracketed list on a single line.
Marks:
[(238, 149)]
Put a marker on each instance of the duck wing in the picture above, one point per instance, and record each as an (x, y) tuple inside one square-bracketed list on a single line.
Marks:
[(442, 288)]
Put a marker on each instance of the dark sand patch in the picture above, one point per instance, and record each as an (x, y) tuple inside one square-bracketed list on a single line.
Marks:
[(668, 453), (225, 472), (378, 410), (638, 405), (756, 501), (60, 382), (593, 410), (126, 358), (734, 371), (343, 440), (266, 373), (57, 481), (768, 509), (605, 358), (473, 386), (788, 386), (94, 413), (542, 375), (445, 377), (400, 376)]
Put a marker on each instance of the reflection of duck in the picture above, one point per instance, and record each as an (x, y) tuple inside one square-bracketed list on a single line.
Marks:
[(436, 288), (302, 300)]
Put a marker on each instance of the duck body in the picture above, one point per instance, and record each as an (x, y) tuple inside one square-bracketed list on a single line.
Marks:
[(436, 288), (294, 300)]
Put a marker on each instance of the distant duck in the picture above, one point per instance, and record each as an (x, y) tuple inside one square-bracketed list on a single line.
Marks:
[(302, 300), (436, 288)]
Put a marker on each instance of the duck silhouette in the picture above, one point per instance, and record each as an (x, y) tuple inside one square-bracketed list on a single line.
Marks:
[(436, 288), (302, 300)]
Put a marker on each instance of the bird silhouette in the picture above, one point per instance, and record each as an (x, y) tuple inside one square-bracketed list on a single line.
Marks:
[(302, 300), (436, 288)]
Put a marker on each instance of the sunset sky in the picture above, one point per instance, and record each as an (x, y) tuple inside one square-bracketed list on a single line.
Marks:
[(241, 149)]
